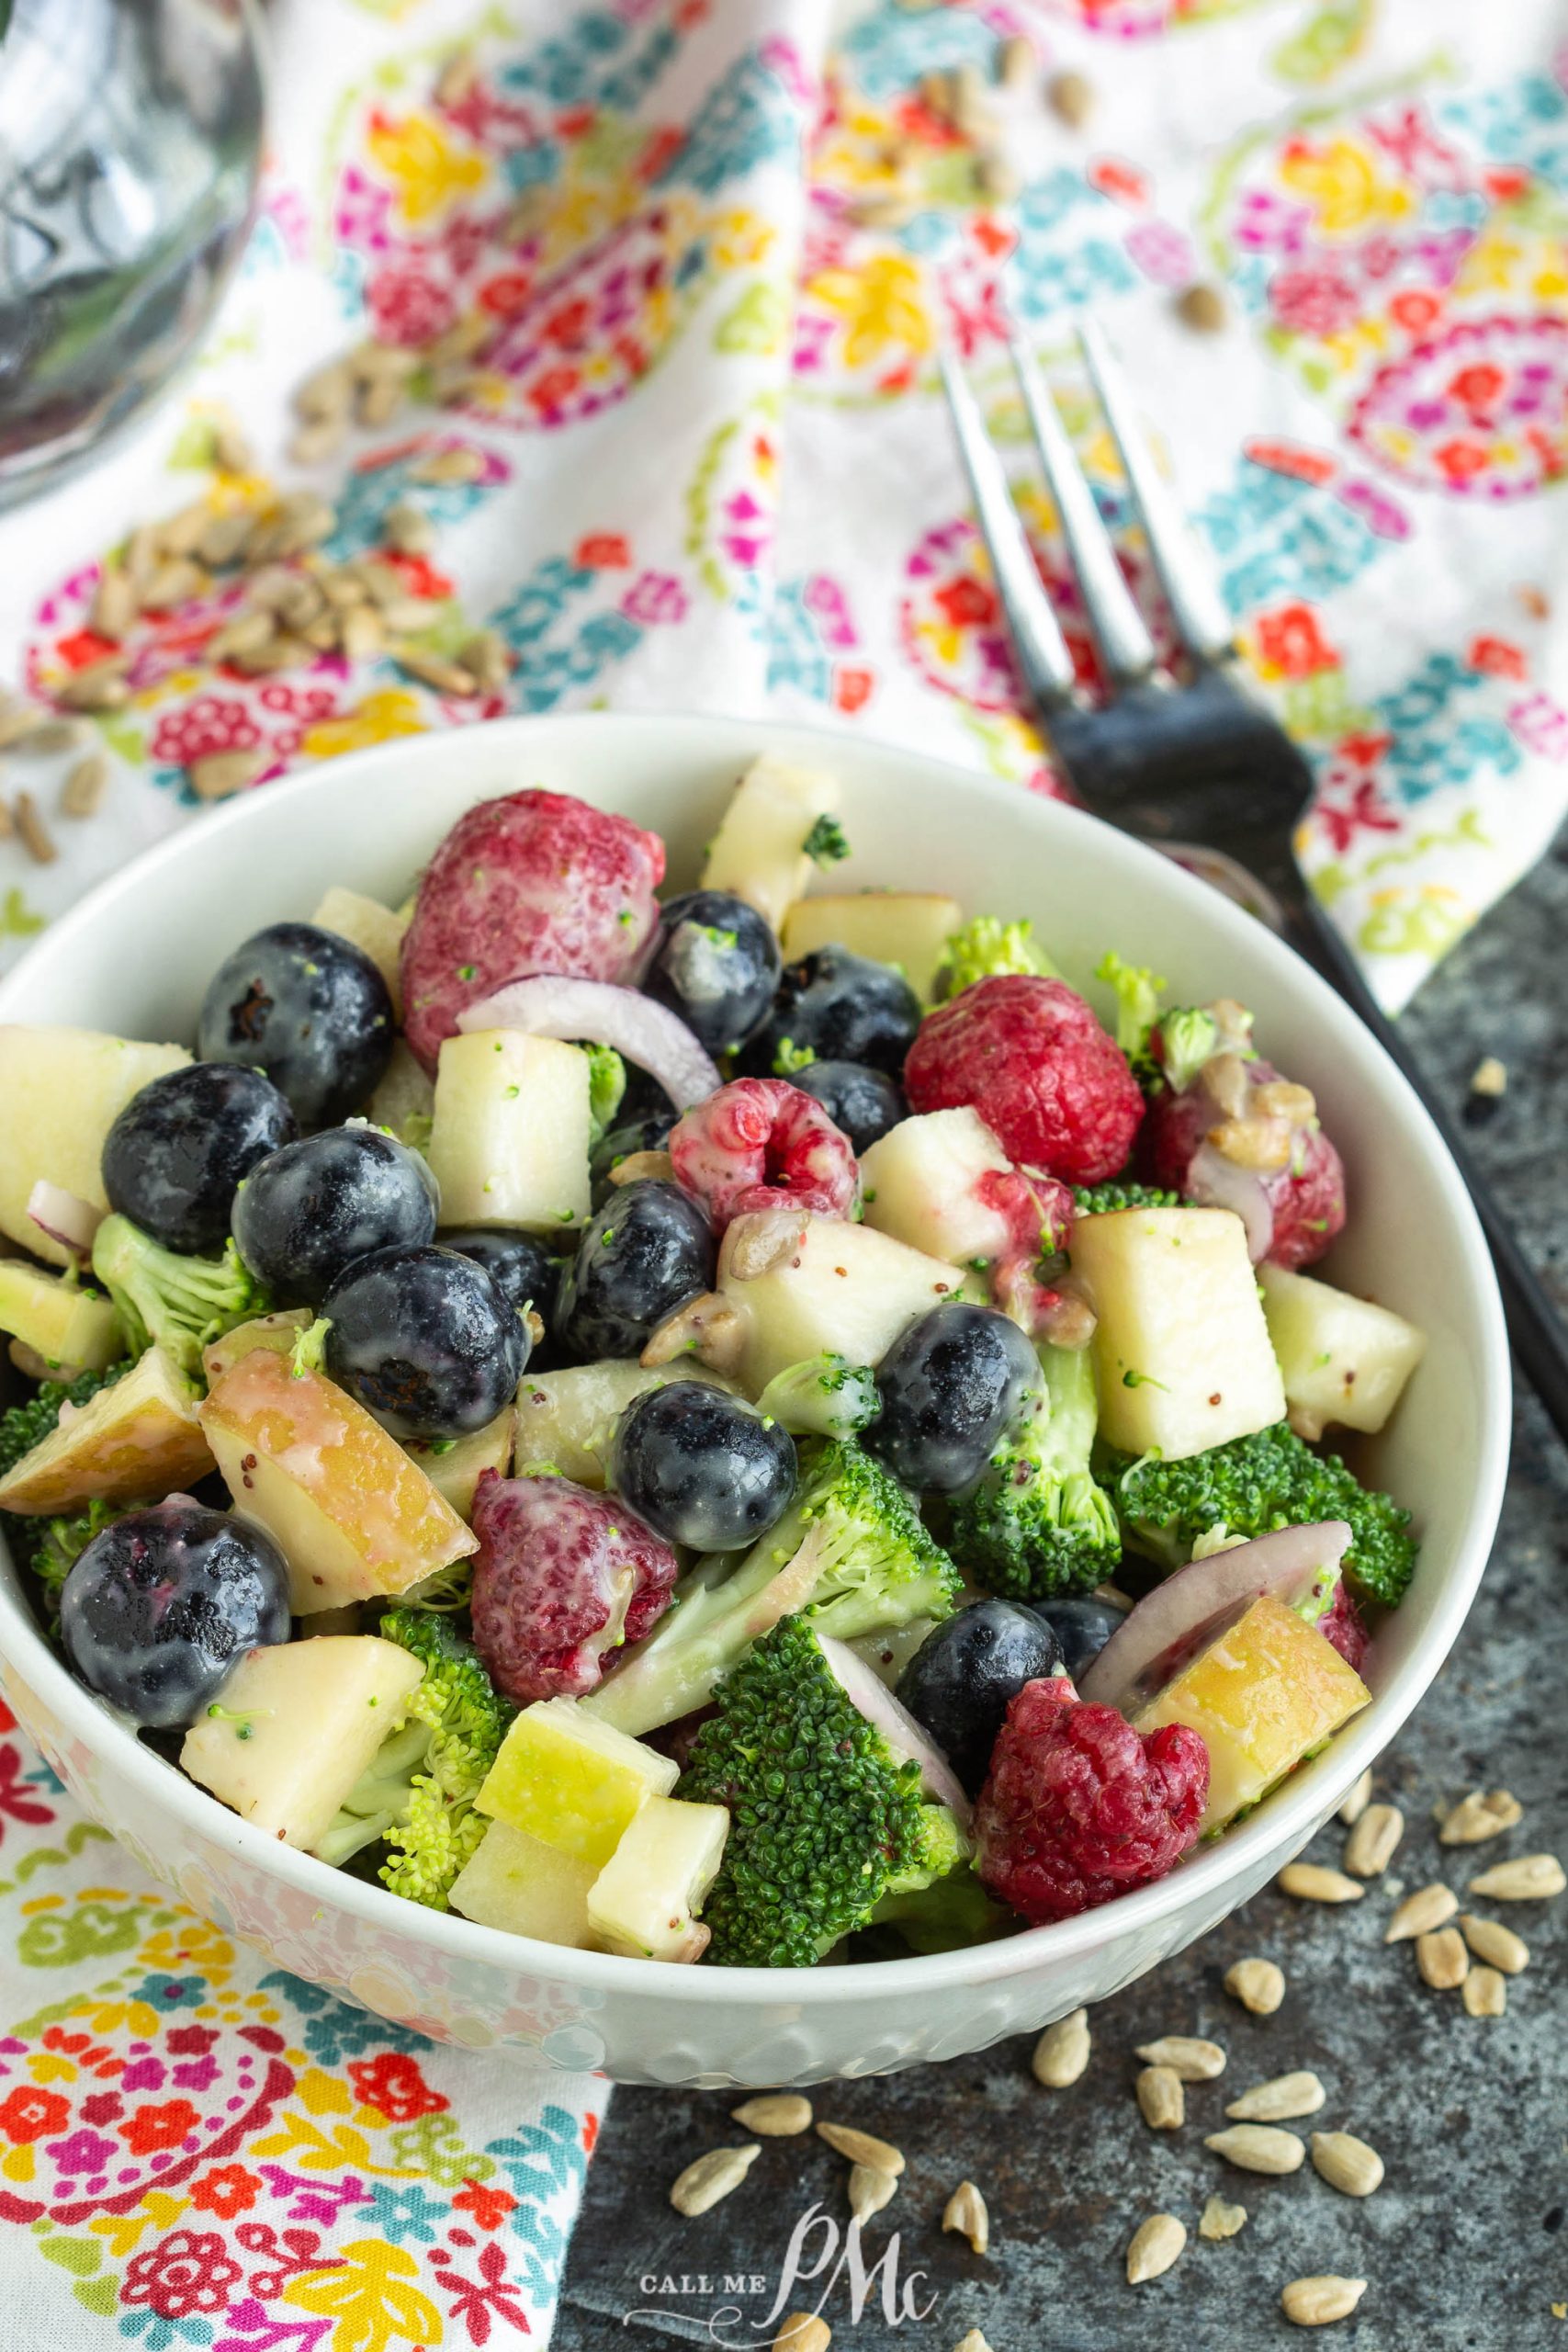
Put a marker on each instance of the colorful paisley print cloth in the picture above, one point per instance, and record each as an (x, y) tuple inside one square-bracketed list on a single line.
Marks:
[(712, 246)]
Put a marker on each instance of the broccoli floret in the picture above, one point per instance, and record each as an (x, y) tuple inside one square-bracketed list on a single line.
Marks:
[(823, 1396), (418, 1791), (60, 1543), (852, 1549), (182, 1303), (1138, 992), (1253, 1486), (825, 1818), (32, 1542), (1188, 1037), (944, 1916), (606, 1084), (825, 844), (309, 1352), (789, 1058), (1038, 1523), (1102, 1200), (985, 948)]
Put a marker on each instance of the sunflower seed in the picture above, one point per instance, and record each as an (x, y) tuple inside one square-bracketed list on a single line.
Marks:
[(802, 2332), (1485, 1993), (174, 582), (1483, 1814), (141, 556), (1532, 1878), (861, 2147), (965, 2213), (1497, 1945), (1220, 2219), (1161, 2099), (372, 362), (994, 176), (1062, 2051), (1015, 62), (1356, 1798), (322, 437), (7, 828), (243, 633), (1071, 96), (225, 539), (457, 78), (113, 611), (17, 720), (179, 533), (973, 2342), (361, 633), (713, 2176), (1429, 1908), (641, 1167), (278, 653), (1191, 2060), (1346, 2162), (1258, 2147), (222, 774), (1258, 1985), (445, 677), (461, 339), (37, 839), (48, 736), (231, 452), (1202, 308), (1375, 1840), (100, 686), (455, 464), (325, 393), (1277, 2100), (486, 655), (870, 2190), (774, 2115), (409, 530), (1443, 1959), (1157, 2244), (84, 785), (407, 614), (1315, 2303), (1310, 1883)]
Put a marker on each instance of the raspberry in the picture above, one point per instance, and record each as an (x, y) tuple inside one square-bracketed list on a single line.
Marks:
[(1343, 1625), (534, 882), (759, 1143), (1306, 1197), (1079, 1807), (1028, 1055), (562, 1578)]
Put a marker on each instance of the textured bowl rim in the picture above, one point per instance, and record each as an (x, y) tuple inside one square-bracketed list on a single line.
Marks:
[(1293, 1810)]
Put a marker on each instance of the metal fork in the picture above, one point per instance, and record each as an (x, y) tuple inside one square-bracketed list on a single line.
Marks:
[(1196, 760)]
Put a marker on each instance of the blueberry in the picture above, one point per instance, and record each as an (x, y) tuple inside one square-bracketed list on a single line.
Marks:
[(305, 1212), (163, 1603), (962, 1677), (715, 963), (649, 1133), (644, 1098), (425, 1341), (702, 1467), (1082, 1626), (864, 1102), (311, 1009), (950, 1385), (841, 1008), (177, 1151), (645, 1254), (518, 1265)]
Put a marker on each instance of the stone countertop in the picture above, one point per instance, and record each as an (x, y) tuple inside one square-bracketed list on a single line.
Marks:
[(1463, 2245)]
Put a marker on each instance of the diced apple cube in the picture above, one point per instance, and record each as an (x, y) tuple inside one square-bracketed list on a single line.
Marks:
[(56, 1317), (924, 1184), (297, 1725), (1262, 1695), (525, 1888), (405, 1100), (568, 1417), (803, 1285), (276, 1333), (909, 928), (513, 1125), (367, 924), (759, 851), (352, 1514), (133, 1442), (1341, 1358), (572, 1782), (61, 1091), (454, 1470), (1182, 1352), (645, 1900)]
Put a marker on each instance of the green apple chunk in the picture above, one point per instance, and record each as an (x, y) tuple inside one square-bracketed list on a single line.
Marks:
[(909, 928), (511, 1130), (405, 1100), (133, 1442), (567, 1419), (455, 1465), (277, 1333), (572, 1782), (526, 1888), (759, 851), (60, 1092), (645, 1900), (296, 1725), (1182, 1352), (1342, 1358), (924, 1186), (61, 1321), (367, 924)]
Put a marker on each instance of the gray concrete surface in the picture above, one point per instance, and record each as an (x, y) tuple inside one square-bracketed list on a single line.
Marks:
[(1464, 2246)]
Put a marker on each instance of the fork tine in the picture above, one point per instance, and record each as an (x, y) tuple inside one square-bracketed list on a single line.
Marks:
[(1190, 591), (1126, 648), (1036, 634)]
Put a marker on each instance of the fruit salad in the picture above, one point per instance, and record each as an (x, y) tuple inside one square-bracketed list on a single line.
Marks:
[(744, 1427)]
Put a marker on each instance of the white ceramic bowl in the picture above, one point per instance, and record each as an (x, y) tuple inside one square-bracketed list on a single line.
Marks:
[(134, 957)]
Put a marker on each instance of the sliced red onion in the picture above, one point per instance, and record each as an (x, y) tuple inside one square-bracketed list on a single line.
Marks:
[(65, 1217), (872, 1698), (550, 1005), (1165, 1633), (1215, 1182)]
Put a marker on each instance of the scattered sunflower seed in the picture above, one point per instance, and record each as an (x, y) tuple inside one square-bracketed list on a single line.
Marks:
[(1161, 2100), (1062, 2051), (322, 437), (1310, 1883), (1191, 2060), (84, 785), (1489, 1077), (361, 633), (100, 686), (1015, 62), (231, 452), (1220, 2219), (142, 555), (802, 2332), (966, 2214), (1157, 2244), (1315, 2303), (776, 2115), (17, 720), (712, 2177), (325, 392), (1071, 98), (1346, 2162), (7, 828), (861, 2147), (1258, 1985), (457, 78), (870, 2190), (408, 529), (973, 2342), (998, 178), (1202, 308), (1356, 1798), (486, 655), (1532, 1878), (1485, 1993), (1277, 2100), (113, 609), (1484, 1813), (48, 736), (1258, 2147), (458, 464), (1375, 1840), (243, 633), (1496, 1945), (1429, 1908), (1442, 1960), (445, 678), (175, 582), (640, 1167), (37, 839), (225, 539), (222, 774)]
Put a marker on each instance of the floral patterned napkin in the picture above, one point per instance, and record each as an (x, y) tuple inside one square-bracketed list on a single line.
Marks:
[(700, 253)]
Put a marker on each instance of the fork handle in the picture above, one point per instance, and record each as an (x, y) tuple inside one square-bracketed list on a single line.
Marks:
[(1535, 1326)]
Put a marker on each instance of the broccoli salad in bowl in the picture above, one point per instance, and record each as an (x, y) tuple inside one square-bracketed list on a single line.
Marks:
[(737, 1429)]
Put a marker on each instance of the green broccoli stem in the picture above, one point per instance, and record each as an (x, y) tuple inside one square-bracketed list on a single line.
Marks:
[(159, 1295)]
